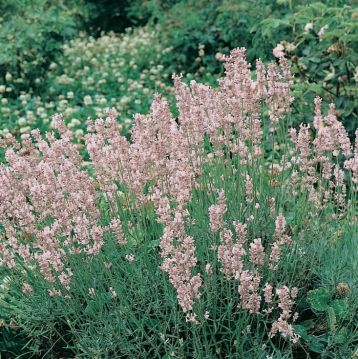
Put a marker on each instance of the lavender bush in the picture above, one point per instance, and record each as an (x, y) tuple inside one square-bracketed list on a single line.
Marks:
[(201, 236)]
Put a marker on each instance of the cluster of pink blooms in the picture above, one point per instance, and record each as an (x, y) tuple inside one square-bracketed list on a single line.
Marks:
[(248, 263), (331, 141), (281, 325), (280, 239), (352, 163), (216, 213), (48, 199), (48, 206)]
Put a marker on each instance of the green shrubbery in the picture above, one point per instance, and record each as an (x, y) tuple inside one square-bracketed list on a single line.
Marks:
[(323, 51), (31, 36), (320, 39), (90, 76)]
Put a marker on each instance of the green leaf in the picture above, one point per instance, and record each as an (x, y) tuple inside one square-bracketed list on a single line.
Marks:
[(319, 299), (341, 335), (315, 344), (340, 308), (331, 319), (316, 60), (301, 330)]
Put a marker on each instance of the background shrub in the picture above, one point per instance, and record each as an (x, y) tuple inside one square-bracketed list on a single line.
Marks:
[(323, 56), (90, 75), (31, 36), (320, 40)]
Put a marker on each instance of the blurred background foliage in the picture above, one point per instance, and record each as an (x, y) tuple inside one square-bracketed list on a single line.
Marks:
[(32, 33), (319, 38)]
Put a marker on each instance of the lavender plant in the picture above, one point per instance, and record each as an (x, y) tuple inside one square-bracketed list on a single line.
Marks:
[(198, 237)]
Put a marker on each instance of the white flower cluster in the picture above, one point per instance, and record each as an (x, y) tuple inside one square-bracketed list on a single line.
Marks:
[(120, 71)]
